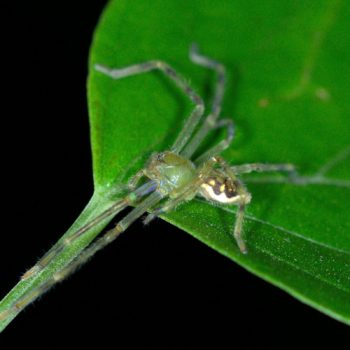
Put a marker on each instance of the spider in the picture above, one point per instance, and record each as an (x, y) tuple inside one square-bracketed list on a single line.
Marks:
[(169, 178)]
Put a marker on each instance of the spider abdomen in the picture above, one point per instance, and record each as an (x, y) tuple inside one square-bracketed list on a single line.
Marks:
[(220, 189)]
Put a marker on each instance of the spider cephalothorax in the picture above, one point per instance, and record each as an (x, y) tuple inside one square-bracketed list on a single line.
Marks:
[(170, 171)]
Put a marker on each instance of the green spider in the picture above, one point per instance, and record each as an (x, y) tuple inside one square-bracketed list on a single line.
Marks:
[(172, 177)]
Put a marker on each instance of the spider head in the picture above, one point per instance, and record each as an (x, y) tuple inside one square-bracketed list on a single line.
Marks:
[(170, 171)]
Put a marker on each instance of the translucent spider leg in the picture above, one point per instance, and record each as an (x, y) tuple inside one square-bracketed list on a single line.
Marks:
[(260, 167), (119, 205), (244, 199), (222, 145), (211, 120), (172, 203), (110, 235), (100, 243), (237, 232), (208, 62), (145, 67)]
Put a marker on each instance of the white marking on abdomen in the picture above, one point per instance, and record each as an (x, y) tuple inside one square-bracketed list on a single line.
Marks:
[(208, 192)]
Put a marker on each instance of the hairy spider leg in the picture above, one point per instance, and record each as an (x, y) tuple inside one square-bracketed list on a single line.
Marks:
[(211, 120), (237, 231), (248, 168), (135, 179), (245, 198), (232, 171), (222, 145), (85, 255), (195, 116), (260, 167), (114, 209)]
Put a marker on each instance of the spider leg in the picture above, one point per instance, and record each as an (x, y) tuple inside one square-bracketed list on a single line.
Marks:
[(211, 120), (100, 243), (237, 232), (110, 235), (210, 63), (189, 192), (260, 167), (222, 145), (198, 110), (132, 183), (245, 198), (66, 241)]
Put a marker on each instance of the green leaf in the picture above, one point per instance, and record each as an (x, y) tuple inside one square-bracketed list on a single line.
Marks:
[(288, 92), (289, 104)]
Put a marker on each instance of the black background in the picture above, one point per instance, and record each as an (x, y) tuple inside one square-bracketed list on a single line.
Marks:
[(156, 286)]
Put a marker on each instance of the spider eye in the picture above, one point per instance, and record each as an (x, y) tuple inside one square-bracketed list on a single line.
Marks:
[(230, 188), (160, 157)]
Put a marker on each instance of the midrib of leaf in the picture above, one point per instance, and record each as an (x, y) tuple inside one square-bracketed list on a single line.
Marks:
[(327, 19), (293, 233)]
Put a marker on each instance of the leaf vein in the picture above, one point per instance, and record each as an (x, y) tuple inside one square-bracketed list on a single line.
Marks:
[(293, 233)]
